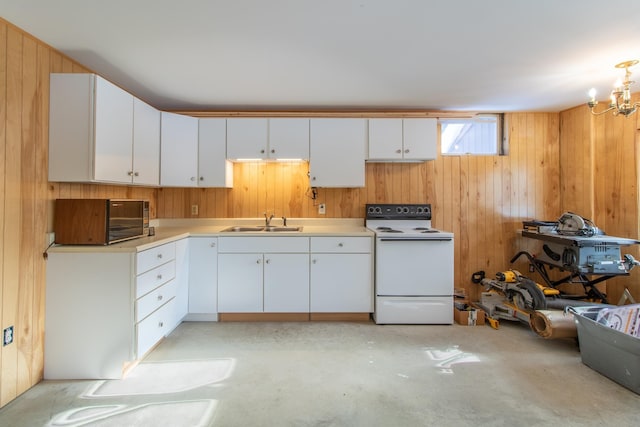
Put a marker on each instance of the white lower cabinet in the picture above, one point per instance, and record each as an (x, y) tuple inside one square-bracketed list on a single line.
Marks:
[(104, 310), (341, 275), (203, 278), (263, 274)]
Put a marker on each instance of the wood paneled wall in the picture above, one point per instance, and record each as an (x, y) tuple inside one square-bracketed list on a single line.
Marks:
[(26, 201), (482, 199), (599, 179)]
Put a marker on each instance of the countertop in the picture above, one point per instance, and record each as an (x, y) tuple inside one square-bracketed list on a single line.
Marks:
[(169, 230)]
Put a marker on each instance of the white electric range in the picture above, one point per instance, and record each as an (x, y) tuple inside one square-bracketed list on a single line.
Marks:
[(413, 265)]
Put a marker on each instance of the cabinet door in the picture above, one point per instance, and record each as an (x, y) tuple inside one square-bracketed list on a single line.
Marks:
[(178, 150), (341, 283), (286, 283), (146, 144), (420, 139), (289, 138), (203, 275), (385, 139), (214, 170), (247, 138), (337, 152), (113, 133), (240, 283)]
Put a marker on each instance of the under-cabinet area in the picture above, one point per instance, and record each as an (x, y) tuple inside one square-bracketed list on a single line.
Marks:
[(108, 306)]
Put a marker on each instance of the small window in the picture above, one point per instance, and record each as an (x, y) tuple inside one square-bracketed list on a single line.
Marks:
[(480, 135)]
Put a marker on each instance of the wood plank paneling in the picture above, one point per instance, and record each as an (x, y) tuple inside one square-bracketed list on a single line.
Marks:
[(26, 201)]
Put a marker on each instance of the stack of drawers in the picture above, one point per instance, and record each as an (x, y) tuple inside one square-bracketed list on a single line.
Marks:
[(155, 293)]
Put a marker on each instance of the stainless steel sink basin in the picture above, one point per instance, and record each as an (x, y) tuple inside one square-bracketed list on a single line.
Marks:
[(282, 229), (255, 229), (240, 229)]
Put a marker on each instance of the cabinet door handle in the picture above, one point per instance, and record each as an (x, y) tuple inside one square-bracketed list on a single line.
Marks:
[(314, 261), (340, 244), (257, 261), (130, 173), (406, 151), (213, 245), (262, 151), (313, 179), (136, 174), (267, 261), (202, 178), (159, 297), (159, 256), (160, 324), (273, 151), (398, 151), (193, 178)]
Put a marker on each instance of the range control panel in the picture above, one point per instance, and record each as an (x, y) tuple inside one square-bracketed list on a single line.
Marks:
[(402, 211)]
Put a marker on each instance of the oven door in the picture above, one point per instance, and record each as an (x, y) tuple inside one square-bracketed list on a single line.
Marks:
[(414, 266)]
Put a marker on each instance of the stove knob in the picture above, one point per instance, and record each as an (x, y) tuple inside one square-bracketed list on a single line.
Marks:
[(405, 210), (399, 209)]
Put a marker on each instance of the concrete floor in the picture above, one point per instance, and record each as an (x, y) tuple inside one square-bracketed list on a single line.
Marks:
[(340, 374)]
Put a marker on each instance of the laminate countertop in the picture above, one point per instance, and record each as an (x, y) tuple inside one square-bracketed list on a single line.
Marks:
[(170, 230)]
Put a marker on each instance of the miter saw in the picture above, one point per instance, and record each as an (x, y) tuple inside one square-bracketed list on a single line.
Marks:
[(511, 296), (570, 224)]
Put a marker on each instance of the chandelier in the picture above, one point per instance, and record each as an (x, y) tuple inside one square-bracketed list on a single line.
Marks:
[(620, 102)]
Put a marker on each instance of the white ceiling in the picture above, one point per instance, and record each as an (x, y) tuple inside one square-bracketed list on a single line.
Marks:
[(490, 55)]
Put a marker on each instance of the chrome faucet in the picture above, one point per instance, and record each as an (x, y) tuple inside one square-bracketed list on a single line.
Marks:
[(267, 219)]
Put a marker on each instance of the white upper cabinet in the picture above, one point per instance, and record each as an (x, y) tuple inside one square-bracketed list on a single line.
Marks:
[(178, 150), (247, 138), (337, 151), (288, 138), (403, 139), (267, 139), (92, 135), (214, 170), (146, 144)]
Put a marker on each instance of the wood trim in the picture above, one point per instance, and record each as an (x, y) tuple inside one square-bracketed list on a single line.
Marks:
[(263, 317), (340, 317), (333, 113)]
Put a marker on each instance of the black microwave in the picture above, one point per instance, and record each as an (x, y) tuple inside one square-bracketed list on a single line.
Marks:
[(99, 221)]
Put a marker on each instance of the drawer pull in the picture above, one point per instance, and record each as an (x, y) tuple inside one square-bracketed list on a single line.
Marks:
[(159, 297), (267, 261), (159, 256), (159, 276), (160, 324), (340, 245)]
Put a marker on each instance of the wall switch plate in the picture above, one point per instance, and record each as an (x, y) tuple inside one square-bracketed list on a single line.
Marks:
[(194, 209), (7, 336), (322, 209)]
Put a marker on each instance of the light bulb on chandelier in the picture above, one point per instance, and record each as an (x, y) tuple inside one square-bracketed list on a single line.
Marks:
[(620, 102)]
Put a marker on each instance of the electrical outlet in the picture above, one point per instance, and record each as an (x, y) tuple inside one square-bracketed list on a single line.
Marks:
[(322, 209), (194, 209), (7, 336)]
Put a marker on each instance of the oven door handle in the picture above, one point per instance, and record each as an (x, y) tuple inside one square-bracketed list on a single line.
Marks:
[(440, 239)]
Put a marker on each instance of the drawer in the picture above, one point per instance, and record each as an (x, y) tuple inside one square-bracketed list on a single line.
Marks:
[(154, 299), (150, 280), (341, 244), (151, 258), (252, 244), (154, 327)]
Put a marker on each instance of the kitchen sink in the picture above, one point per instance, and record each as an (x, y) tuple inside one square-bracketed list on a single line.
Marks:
[(240, 229), (282, 229), (255, 229)]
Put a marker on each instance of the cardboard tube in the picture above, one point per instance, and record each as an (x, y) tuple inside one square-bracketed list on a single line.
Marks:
[(551, 324)]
